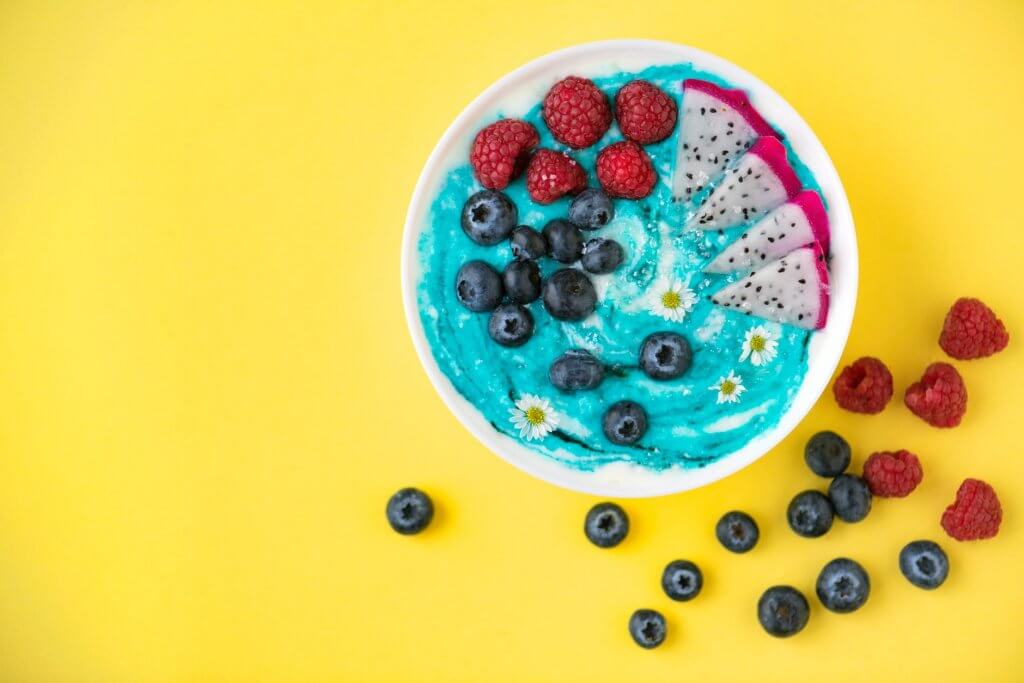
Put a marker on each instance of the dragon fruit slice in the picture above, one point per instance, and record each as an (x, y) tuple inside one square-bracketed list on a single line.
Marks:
[(717, 126), (792, 290), (796, 223), (762, 180)]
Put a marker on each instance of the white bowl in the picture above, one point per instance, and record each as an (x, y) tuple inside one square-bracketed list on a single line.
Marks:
[(515, 94)]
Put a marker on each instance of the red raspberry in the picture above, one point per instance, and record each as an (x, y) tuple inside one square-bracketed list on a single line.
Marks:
[(972, 330), (551, 175), (577, 112), (645, 112), (864, 387), (500, 152), (625, 170), (892, 475), (940, 397), (975, 514)]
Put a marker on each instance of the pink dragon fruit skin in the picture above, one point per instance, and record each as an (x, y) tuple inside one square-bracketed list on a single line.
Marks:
[(737, 99)]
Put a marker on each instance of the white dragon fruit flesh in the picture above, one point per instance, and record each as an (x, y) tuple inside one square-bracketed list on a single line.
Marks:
[(792, 290), (716, 126), (762, 180), (798, 222)]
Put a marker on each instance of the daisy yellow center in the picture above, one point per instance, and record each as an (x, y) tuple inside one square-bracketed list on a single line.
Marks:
[(757, 343), (535, 416), (671, 299), (728, 387)]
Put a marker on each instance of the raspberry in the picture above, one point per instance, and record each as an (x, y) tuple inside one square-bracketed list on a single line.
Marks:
[(645, 113), (625, 170), (972, 330), (940, 397), (577, 112), (864, 387), (500, 152), (551, 175), (892, 475), (975, 514)]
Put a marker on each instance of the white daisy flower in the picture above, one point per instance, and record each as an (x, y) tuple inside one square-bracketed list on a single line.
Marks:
[(533, 417), (760, 345), (729, 388), (673, 300)]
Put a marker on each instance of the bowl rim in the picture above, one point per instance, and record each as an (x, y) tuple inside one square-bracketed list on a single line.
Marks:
[(619, 479)]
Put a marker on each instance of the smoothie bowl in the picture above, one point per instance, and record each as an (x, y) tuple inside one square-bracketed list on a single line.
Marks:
[(629, 268)]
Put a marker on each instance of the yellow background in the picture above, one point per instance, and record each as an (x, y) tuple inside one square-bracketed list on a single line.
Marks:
[(208, 393)]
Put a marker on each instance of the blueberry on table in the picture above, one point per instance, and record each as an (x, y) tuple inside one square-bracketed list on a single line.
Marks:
[(564, 240), (647, 628), (665, 355), (827, 454), (601, 256), (624, 423), (591, 209), (522, 281), (682, 580), (510, 325), (737, 531), (810, 514), (850, 497), (488, 217), (606, 525), (569, 295), (783, 611), (527, 243), (924, 564), (843, 585), (409, 511), (478, 286), (576, 370)]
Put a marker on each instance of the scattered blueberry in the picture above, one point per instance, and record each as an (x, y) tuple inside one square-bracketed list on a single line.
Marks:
[(783, 611), (647, 628), (665, 355), (624, 423), (488, 217), (843, 585), (682, 580), (510, 325), (527, 243), (850, 497), (522, 281), (827, 454), (810, 514), (606, 525), (591, 209), (737, 531), (478, 286), (576, 369), (409, 511), (569, 295), (564, 240), (601, 256), (924, 564)]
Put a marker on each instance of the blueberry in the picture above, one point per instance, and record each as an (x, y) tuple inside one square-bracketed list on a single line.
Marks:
[(682, 580), (601, 256), (522, 281), (827, 454), (564, 240), (488, 217), (665, 355), (409, 511), (576, 369), (569, 295), (810, 514), (606, 525), (591, 209), (737, 531), (527, 243), (924, 564), (843, 585), (850, 497), (783, 611), (624, 423), (510, 325), (647, 628), (478, 286)]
